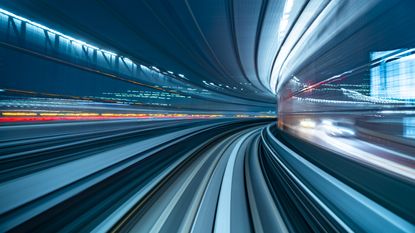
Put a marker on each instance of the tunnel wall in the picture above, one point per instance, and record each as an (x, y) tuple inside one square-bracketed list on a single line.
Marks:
[(39, 60)]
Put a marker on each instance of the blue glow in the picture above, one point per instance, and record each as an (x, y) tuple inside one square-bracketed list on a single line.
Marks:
[(409, 127), (71, 39), (155, 68), (393, 76)]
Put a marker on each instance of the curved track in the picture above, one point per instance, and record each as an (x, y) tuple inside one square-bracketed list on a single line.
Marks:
[(180, 176)]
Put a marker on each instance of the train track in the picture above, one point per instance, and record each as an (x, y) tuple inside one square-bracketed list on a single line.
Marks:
[(202, 176)]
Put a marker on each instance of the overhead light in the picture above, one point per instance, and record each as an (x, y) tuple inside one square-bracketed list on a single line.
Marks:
[(155, 68), (80, 42), (285, 17), (73, 40)]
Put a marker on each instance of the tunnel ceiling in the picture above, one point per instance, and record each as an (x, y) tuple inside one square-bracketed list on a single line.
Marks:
[(220, 42), (250, 45)]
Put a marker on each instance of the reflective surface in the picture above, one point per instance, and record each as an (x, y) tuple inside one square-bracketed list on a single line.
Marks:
[(357, 96), (207, 116)]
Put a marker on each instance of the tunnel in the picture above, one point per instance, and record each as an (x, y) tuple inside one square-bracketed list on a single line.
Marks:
[(207, 116)]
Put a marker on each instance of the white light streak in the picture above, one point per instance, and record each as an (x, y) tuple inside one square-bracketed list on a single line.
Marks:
[(72, 39)]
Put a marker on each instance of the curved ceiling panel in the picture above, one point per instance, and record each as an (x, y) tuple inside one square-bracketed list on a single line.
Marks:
[(245, 49)]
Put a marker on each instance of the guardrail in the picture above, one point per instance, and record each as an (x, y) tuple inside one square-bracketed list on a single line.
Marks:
[(314, 198)]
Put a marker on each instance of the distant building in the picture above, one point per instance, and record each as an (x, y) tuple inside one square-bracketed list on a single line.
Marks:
[(393, 75)]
